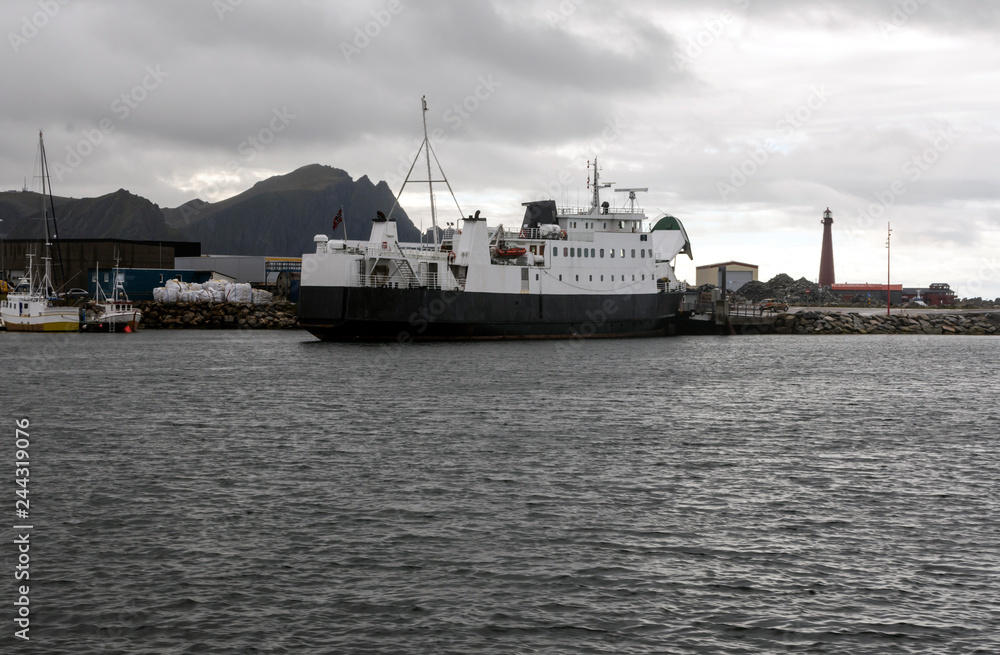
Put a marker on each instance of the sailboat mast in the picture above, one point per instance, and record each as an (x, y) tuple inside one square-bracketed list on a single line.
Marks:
[(47, 188), (430, 180)]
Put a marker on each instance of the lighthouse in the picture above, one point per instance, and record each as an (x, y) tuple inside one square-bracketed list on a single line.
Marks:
[(826, 276)]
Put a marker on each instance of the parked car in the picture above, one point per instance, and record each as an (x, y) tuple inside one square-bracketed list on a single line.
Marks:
[(772, 305)]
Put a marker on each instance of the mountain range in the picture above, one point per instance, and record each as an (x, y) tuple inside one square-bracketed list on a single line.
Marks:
[(278, 216)]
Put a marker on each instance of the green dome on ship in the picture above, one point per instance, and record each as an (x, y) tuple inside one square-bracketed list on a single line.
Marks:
[(669, 222)]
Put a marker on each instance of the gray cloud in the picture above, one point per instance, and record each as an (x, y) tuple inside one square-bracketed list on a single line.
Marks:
[(522, 92)]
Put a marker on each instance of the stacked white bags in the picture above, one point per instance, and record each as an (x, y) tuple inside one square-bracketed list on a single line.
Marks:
[(211, 291)]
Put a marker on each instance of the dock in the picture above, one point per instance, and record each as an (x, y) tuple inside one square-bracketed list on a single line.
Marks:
[(710, 312)]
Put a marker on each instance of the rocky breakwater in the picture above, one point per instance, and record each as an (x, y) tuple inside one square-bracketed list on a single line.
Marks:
[(217, 316), (812, 322)]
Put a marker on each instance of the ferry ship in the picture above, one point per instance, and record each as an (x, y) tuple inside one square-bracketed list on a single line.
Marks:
[(564, 273)]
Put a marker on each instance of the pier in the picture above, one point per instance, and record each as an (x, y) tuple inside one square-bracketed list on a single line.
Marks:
[(710, 312)]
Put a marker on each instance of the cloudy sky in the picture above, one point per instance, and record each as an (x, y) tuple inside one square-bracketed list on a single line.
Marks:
[(744, 118)]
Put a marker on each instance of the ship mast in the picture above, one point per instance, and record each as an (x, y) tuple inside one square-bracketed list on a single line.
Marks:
[(428, 151), (430, 183), (595, 202)]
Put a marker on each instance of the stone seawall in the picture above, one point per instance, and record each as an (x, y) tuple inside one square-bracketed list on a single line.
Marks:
[(217, 316), (813, 322)]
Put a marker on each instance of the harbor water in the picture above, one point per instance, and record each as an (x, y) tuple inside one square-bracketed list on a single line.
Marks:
[(263, 492)]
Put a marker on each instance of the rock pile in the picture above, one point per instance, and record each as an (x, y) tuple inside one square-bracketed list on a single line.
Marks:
[(808, 322), (217, 316), (783, 288)]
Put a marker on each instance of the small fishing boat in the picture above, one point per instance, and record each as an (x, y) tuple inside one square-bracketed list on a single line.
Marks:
[(111, 314)]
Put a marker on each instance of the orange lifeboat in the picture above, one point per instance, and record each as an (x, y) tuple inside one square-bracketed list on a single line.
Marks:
[(510, 252)]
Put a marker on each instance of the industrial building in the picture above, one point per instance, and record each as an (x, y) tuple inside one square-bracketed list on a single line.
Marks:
[(737, 274), (875, 292), (938, 294), (74, 259)]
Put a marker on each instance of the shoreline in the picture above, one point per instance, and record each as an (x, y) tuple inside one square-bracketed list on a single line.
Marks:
[(830, 321)]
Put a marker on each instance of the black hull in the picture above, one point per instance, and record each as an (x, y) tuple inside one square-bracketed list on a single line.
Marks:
[(379, 314)]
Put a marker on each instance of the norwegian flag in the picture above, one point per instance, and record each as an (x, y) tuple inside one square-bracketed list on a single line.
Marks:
[(339, 218)]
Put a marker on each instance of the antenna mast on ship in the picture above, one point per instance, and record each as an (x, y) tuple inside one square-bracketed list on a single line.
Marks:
[(595, 202), (428, 151)]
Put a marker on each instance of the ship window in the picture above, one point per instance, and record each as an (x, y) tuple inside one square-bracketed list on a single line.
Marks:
[(642, 237), (602, 253), (650, 252), (602, 278), (633, 277), (642, 253), (633, 253), (592, 252), (585, 253), (560, 277), (555, 252), (578, 253), (94, 279), (161, 278), (536, 277), (623, 253), (612, 253), (572, 252), (564, 251), (105, 277), (591, 278), (577, 278)]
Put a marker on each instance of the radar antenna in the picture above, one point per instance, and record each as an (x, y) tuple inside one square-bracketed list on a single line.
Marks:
[(631, 196)]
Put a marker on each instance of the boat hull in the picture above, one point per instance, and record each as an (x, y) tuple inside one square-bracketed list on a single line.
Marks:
[(381, 314), (53, 319), (115, 323)]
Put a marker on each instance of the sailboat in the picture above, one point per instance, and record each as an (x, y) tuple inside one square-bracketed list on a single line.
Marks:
[(113, 313), (33, 305)]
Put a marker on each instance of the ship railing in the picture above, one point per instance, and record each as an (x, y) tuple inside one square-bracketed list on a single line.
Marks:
[(586, 211), (745, 310)]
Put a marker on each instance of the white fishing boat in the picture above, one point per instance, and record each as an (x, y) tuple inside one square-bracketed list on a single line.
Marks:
[(34, 305), (114, 313), (598, 271)]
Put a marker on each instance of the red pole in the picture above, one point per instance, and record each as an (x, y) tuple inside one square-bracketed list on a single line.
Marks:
[(888, 264)]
